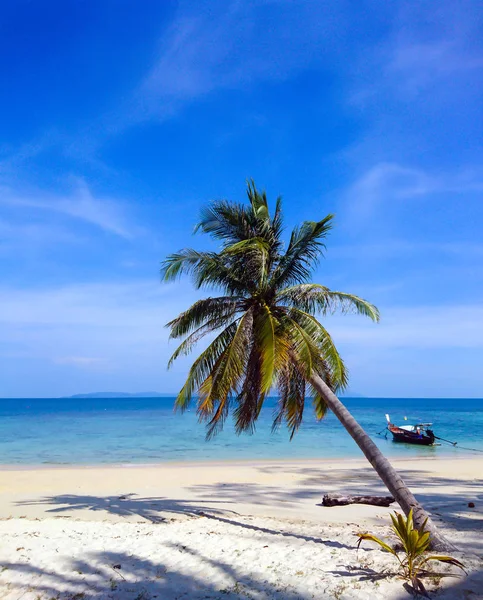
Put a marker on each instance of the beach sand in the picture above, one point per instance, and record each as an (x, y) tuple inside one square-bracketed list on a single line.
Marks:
[(223, 530)]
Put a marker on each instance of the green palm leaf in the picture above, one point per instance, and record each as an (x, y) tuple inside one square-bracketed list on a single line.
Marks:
[(226, 221), (303, 253), (292, 387), (203, 366), (225, 377), (264, 329), (217, 311), (312, 298), (184, 262), (444, 559), (250, 398), (373, 538), (326, 348)]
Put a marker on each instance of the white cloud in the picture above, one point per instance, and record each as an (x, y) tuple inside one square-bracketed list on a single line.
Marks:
[(79, 204), (400, 181), (81, 361), (416, 328), (15, 157), (427, 53), (388, 182), (403, 70), (118, 305), (21, 238), (229, 45), (422, 62)]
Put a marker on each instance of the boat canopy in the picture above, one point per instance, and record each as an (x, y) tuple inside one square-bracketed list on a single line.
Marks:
[(409, 427)]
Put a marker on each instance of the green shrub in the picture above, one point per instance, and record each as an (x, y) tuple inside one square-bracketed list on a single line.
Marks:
[(415, 546)]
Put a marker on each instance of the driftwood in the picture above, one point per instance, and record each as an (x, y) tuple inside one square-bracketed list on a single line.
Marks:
[(339, 500)]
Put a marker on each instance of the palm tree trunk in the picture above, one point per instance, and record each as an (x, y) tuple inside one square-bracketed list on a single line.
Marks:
[(382, 466)]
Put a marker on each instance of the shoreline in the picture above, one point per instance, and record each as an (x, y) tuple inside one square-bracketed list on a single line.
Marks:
[(229, 461)]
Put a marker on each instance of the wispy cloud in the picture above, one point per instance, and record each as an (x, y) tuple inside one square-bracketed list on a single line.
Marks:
[(232, 45), (415, 328), (84, 362), (27, 238), (427, 49), (392, 182), (79, 204), (428, 61), (394, 247), (106, 305), (407, 70)]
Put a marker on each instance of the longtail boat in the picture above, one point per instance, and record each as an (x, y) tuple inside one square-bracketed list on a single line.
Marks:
[(419, 434)]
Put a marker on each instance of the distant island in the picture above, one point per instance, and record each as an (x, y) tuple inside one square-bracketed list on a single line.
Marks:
[(121, 395), (348, 394)]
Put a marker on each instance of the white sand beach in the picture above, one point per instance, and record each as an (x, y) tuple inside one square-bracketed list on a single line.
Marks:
[(224, 530)]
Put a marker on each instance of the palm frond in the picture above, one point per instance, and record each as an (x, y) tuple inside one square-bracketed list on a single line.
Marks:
[(250, 397), (193, 338), (208, 269), (227, 221), (183, 262), (219, 273), (325, 344), (258, 201), (277, 222), (318, 401), (256, 254), (292, 388), (313, 352), (264, 329), (303, 253), (303, 347), (352, 304), (217, 311), (312, 297), (203, 366), (225, 377)]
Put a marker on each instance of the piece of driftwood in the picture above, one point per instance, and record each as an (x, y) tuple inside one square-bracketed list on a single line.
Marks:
[(340, 500)]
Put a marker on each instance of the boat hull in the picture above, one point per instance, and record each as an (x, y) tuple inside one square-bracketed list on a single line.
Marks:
[(422, 441), (408, 437)]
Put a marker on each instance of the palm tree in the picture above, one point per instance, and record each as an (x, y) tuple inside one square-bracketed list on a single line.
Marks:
[(267, 332)]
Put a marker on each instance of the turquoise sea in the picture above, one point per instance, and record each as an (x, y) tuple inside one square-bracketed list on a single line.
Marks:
[(146, 430)]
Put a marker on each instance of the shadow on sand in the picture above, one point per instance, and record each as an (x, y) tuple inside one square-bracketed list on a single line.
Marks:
[(114, 575), (121, 576), (157, 510), (469, 587)]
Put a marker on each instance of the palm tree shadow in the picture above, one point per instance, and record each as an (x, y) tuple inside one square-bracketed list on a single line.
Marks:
[(306, 538), (110, 574), (154, 510), (118, 575), (158, 510), (364, 573)]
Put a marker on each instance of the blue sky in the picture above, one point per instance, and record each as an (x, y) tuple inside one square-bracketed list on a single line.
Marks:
[(120, 119)]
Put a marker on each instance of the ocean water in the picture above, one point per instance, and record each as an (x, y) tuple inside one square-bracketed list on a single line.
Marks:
[(146, 430)]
